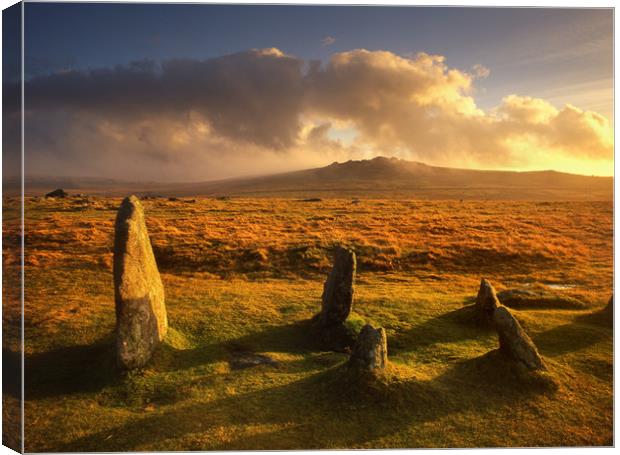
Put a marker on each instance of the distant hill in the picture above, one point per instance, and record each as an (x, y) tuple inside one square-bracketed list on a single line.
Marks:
[(377, 178)]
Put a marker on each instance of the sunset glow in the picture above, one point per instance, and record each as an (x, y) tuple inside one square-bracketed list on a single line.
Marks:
[(534, 90)]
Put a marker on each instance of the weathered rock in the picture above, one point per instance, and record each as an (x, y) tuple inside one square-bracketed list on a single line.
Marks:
[(370, 351), (539, 297), (518, 295), (337, 295), (486, 301), (514, 342), (141, 320), (57, 193), (242, 360)]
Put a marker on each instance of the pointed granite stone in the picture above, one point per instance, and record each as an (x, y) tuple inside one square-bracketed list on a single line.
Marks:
[(514, 342), (486, 302), (141, 320), (337, 297)]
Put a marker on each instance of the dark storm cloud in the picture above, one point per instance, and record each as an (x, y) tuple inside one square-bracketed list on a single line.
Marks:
[(253, 96), (191, 112)]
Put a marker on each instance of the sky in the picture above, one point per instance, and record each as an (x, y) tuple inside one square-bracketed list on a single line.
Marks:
[(200, 92)]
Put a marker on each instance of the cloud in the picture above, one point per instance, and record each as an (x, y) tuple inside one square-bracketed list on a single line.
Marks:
[(251, 96), (527, 110), (263, 110), (422, 108), (480, 71), (569, 131), (328, 41)]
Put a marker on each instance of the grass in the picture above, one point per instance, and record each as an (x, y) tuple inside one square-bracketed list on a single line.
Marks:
[(245, 276)]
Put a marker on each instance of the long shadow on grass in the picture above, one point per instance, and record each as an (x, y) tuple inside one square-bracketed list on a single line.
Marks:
[(328, 409), (70, 370), (570, 337), (597, 318), (454, 326), (90, 368), (294, 338), (11, 373)]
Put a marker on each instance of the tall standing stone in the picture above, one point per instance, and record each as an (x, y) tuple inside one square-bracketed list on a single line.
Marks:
[(337, 295), (514, 342), (370, 351), (141, 320), (486, 302)]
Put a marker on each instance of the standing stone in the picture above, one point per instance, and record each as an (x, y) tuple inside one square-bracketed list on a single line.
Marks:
[(337, 295), (141, 320), (486, 302), (370, 351), (514, 342)]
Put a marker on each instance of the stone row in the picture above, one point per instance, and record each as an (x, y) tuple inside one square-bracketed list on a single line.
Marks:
[(142, 323)]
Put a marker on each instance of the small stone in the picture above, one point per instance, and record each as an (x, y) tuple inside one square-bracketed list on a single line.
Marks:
[(370, 351), (337, 297), (57, 193), (514, 342), (244, 360), (486, 301), (141, 320)]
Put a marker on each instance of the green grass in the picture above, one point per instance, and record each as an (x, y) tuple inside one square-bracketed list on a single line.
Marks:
[(446, 386)]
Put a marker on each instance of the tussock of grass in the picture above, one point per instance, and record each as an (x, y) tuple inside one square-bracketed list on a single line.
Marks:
[(354, 323), (177, 340)]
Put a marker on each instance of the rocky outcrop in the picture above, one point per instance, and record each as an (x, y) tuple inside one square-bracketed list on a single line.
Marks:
[(57, 193), (141, 320), (370, 351)]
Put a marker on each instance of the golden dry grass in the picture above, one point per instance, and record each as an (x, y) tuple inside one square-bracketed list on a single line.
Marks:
[(246, 274)]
